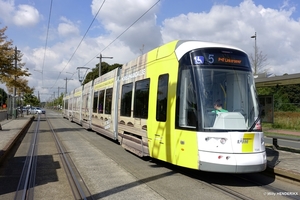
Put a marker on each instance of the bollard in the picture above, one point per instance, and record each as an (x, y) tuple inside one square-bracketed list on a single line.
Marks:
[(275, 144)]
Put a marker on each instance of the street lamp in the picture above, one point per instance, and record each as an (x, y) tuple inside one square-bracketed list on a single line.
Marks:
[(82, 73), (100, 58), (255, 53)]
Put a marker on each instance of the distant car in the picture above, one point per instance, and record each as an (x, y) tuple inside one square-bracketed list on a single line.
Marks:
[(23, 109), (31, 110), (37, 110)]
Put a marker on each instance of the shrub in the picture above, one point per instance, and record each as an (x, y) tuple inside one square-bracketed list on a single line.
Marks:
[(287, 120)]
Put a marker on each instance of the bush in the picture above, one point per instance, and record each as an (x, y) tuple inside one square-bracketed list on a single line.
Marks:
[(287, 120)]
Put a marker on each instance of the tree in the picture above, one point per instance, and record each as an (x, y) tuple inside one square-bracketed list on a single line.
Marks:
[(22, 87), (286, 97), (30, 99), (11, 67), (105, 67), (3, 96), (258, 61)]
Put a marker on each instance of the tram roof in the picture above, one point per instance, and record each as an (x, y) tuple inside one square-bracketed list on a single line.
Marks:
[(184, 46), (263, 81)]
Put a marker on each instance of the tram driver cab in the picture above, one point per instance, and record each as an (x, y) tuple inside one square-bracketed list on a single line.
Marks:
[(233, 85), (240, 103)]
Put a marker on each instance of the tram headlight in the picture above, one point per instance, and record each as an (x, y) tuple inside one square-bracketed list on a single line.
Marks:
[(223, 140)]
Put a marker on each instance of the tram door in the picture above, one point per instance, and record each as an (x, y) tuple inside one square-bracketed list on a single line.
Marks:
[(161, 148)]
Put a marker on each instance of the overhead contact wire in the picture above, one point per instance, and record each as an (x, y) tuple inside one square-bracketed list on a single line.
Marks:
[(123, 32), (46, 43), (79, 43)]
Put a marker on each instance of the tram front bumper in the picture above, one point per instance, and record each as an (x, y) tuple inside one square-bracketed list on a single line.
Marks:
[(232, 163)]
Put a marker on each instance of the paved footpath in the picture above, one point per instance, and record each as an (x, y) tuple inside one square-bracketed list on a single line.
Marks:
[(10, 131), (284, 163), (281, 163)]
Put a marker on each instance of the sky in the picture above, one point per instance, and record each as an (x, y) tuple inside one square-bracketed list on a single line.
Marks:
[(58, 36)]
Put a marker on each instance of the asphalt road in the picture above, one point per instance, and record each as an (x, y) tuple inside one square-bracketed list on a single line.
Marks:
[(284, 143)]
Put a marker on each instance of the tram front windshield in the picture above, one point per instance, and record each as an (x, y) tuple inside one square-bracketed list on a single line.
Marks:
[(216, 92)]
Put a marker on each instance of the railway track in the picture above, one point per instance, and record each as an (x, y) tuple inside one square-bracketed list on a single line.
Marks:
[(28, 177), (240, 186), (112, 173)]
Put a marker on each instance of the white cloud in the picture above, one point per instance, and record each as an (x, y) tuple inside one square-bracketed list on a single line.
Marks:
[(277, 34), (277, 31), (23, 15), (26, 15), (6, 10), (67, 28), (144, 32)]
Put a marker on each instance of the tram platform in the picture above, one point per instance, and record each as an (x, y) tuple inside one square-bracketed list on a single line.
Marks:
[(282, 163), (10, 131)]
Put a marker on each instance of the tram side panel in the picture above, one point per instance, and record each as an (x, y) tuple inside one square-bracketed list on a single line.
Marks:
[(166, 142), (76, 110), (70, 106), (104, 104), (147, 109), (65, 109), (86, 105), (133, 106)]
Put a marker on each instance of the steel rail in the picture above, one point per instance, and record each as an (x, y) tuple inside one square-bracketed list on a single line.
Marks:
[(27, 179), (271, 189), (79, 189), (223, 189)]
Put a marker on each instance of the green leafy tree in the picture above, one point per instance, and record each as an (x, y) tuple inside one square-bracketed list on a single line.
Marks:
[(9, 56), (30, 99), (292, 92), (22, 87), (91, 75), (59, 100), (3, 96), (105, 67), (286, 97)]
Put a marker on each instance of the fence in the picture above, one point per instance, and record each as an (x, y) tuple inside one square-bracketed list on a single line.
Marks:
[(3, 115)]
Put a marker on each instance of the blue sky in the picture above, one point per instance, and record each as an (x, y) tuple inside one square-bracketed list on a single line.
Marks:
[(233, 22)]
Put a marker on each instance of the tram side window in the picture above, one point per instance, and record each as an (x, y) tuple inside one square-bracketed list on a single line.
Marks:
[(78, 103), (101, 101), (141, 99), (66, 104), (83, 103), (108, 100), (70, 105), (95, 102), (75, 103), (162, 98), (186, 104), (87, 102), (126, 100)]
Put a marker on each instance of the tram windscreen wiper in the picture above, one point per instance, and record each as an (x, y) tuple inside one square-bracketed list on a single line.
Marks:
[(254, 123), (258, 118)]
